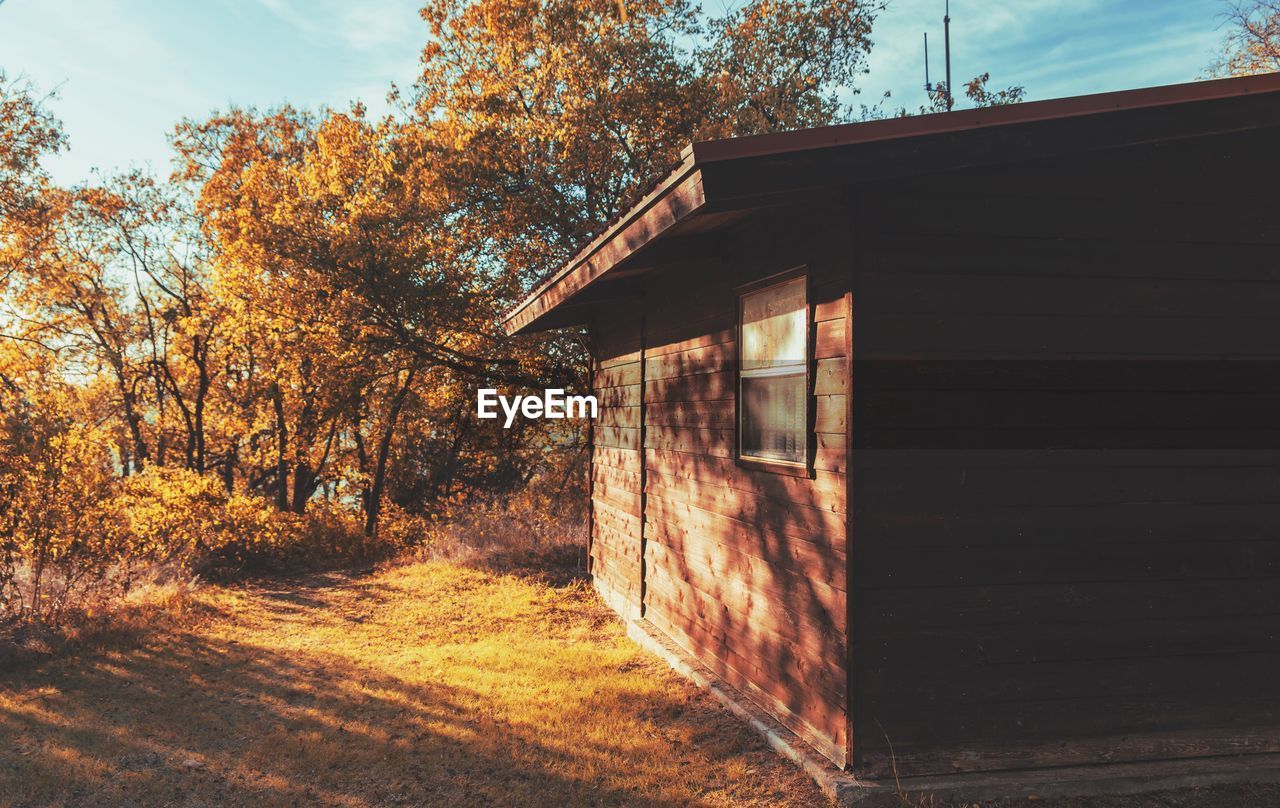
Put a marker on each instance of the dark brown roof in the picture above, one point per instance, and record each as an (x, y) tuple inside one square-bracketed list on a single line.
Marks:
[(719, 175)]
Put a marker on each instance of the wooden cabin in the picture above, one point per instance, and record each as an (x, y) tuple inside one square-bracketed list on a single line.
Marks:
[(948, 440)]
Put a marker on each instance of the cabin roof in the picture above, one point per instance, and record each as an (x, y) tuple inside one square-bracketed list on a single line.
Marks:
[(718, 182)]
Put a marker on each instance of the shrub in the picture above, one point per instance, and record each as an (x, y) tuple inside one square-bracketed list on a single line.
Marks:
[(399, 530), (329, 534), (76, 534), (174, 515), (59, 530), (179, 516), (530, 532)]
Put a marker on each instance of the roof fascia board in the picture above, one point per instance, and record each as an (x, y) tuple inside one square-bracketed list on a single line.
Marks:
[(740, 172), (986, 117), (730, 183)]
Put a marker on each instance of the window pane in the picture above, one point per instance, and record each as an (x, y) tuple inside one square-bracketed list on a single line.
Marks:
[(773, 417), (773, 326)]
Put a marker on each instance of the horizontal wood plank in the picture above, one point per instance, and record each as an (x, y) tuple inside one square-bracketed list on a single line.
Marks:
[(825, 490), (790, 518), (714, 442)]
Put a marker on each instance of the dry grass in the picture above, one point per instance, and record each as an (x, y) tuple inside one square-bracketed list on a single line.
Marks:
[(433, 683), (99, 621)]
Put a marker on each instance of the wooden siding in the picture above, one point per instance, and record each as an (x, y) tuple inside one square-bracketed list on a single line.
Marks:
[(616, 491), (742, 567), (1019, 606)]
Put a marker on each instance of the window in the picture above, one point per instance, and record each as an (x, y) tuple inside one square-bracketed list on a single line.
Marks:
[(773, 355)]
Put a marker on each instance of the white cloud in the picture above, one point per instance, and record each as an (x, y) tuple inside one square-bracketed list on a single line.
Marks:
[(115, 78), (359, 25), (130, 69), (375, 24)]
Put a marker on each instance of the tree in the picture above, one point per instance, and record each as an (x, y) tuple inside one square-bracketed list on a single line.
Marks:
[(66, 295), (28, 134), (975, 89), (978, 94), (785, 64), (546, 118), (337, 254), (542, 121), (1252, 44), (307, 305), (56, 479), (167, 259)]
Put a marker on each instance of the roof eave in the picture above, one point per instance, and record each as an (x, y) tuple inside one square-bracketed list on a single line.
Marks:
[(708, 175), (674, 199)]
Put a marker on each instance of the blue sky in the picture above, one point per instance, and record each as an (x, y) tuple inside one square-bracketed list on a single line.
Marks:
[(127, 70), (1054, 48)]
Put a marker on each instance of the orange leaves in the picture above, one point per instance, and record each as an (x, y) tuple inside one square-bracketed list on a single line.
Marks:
[(548, 116), (307, 307), (1252, 43), (55, 485), (28, 133)]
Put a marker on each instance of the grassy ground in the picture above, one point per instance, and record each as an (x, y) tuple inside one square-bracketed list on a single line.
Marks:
[(434, 683), (428, 684)]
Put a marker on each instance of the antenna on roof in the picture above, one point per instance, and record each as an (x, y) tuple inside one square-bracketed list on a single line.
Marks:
[(943, 90)]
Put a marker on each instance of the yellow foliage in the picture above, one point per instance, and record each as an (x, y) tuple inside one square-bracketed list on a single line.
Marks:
[(74, 530), (56, 481), (271, 359), (398, 529), (173, 513), (179, 516)]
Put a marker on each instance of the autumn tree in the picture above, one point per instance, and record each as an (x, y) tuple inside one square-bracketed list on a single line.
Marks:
[(56, 517), (66, 296), (977, 93), (180, 317), (338, 262), (28, 134), (307, 306), (284, 369), (784, 64), (546, 117), (1252, 44)]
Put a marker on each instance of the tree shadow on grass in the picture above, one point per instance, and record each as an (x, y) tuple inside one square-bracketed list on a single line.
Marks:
[(557, 565), (212, 722)]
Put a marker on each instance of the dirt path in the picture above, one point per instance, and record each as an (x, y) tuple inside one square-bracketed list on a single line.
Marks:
[(424, 685)]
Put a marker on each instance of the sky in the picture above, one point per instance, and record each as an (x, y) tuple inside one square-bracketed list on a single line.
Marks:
[(126, 71), (1054, 48)]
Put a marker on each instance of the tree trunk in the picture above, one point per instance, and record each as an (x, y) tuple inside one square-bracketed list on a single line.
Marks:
[(442, 476), (162, 445), (304, 485), (37, 579), (229, 467), (202, 392), (141, 455), (282, 451), (362, 461), (373, 504)]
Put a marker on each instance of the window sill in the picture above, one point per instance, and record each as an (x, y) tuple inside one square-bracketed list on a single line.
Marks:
[(775, 467)]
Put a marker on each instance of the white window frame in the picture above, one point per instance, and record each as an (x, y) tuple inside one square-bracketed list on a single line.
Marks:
[(804, 365)]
